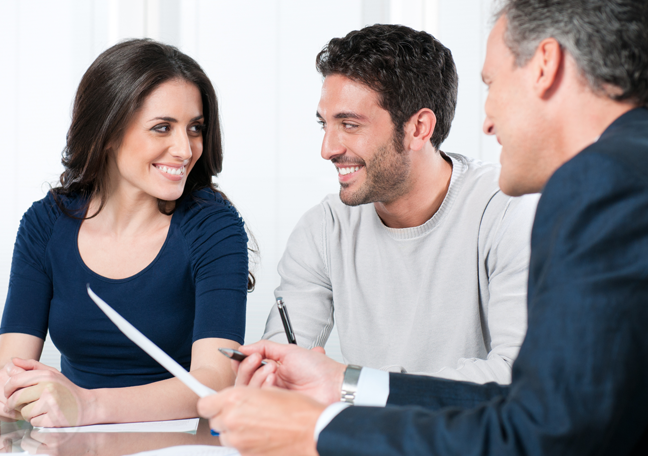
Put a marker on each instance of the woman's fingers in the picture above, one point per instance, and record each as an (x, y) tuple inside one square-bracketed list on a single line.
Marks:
[(24, 396), (31, 364), (28, 378)]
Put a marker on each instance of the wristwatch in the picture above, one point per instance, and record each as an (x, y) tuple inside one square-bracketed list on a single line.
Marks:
[(350, 383)]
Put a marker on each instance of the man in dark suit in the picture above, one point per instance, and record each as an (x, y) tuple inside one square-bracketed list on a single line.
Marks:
[(568, 87)]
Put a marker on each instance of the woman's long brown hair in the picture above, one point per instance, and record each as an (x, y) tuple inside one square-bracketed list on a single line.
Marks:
[(110, 92)]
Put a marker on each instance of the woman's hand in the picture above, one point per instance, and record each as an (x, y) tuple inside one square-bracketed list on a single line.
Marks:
[(5, 414), (45, 397)]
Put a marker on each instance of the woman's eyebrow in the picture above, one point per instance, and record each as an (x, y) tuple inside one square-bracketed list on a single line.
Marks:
[(171, 119)]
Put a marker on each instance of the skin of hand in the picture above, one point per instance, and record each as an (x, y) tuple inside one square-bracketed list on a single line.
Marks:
[(44, 396), (7, 370), (310, 372), (78, 406), (263, 421)]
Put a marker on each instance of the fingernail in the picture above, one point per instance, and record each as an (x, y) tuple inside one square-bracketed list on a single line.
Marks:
[(214, 433)]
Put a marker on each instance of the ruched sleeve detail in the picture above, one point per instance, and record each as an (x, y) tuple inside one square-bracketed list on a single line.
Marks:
[(30, 282), (217, 245)]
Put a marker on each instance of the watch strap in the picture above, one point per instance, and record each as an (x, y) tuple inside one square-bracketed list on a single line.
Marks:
[(350, 383)]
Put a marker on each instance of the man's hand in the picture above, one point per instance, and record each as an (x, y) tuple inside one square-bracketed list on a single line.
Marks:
[(44, 396), (310, 372), (266, 421)]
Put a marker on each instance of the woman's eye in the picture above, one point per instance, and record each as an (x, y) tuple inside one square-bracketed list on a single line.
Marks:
[(161, 128), (197, 129)]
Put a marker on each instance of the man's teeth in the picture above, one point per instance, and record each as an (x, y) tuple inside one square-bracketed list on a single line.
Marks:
[(166, 169), (344, 171)]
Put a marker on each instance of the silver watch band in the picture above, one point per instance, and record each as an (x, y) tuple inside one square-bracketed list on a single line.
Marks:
[(350, 383)]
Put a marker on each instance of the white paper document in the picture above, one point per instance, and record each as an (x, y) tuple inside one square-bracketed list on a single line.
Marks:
[(191, 450), (188, 425), (149, 347)]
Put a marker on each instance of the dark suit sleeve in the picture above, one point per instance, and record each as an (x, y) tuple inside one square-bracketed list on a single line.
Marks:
[(580, 383), (416, 390)]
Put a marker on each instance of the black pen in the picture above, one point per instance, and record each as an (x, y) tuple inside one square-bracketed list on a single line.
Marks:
[(283, 311), (235, 355)]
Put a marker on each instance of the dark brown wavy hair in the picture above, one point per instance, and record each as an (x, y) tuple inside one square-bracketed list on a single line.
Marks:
[(111, 91), (409, 70)]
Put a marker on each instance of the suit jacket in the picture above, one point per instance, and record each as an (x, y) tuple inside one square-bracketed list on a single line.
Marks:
[(580, 382)]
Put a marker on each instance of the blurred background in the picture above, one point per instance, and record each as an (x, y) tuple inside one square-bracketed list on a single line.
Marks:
[(260, 56)]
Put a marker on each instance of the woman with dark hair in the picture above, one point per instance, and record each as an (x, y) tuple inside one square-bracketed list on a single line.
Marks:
[(137, 217)]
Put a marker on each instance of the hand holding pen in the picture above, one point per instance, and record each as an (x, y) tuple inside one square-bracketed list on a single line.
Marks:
[(291, 367), (290, 334)]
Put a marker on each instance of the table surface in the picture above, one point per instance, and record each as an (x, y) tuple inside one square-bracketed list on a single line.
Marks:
[(20, 437)]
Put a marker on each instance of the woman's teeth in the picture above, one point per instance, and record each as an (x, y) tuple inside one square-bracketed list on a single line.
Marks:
[(166, 169)]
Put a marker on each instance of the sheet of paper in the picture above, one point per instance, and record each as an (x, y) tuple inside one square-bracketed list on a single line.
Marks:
[(149, 347), (28, 453), (191, 450), (188, 425)]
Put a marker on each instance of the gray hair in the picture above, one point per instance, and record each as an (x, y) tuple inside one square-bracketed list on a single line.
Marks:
[(608, 39)]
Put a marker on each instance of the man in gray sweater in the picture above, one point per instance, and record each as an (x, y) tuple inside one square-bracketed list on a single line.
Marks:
[(420, 260)]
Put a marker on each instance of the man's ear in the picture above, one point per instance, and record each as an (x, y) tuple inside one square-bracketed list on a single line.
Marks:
[(419, 129), (547, 67)]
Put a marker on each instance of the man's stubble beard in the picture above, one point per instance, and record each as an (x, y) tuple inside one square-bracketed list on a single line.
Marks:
[(387, 176)]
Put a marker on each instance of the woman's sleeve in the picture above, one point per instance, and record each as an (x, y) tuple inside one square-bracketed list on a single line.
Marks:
[(218, 248), (30, 282)]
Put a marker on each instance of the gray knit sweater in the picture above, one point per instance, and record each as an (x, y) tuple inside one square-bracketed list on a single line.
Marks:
[(447, 298)]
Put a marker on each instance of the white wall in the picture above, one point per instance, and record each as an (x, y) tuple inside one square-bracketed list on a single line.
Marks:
[(260, 56)]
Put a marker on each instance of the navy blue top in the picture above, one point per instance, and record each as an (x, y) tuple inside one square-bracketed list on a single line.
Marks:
[(195, 288)]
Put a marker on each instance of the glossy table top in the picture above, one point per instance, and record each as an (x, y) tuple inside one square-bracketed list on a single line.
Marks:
[(20, 437)]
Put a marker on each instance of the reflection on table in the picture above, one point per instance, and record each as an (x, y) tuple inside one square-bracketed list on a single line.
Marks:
[(20, 437)]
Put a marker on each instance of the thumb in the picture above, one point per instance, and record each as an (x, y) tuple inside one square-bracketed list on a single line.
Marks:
[(319, 350)]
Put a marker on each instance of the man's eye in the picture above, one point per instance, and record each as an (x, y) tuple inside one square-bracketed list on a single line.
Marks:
[(321, 124), (349, 126)]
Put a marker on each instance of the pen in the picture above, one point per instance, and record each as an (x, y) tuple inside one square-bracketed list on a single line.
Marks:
[(235, 355), (283, 311)]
